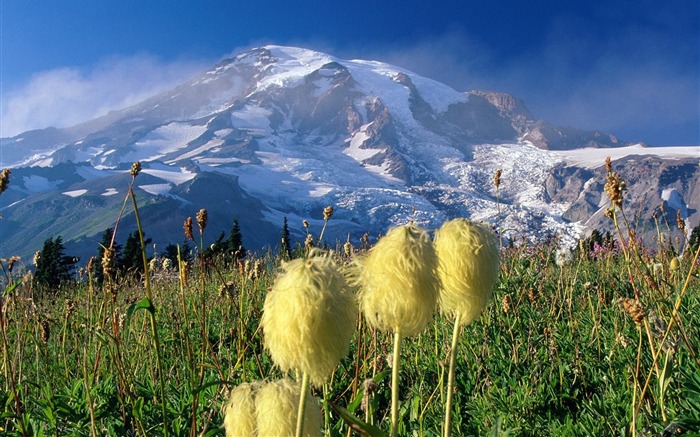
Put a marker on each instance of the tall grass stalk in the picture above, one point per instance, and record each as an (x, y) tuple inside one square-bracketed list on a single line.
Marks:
[(302, 404), (395, 363), (151, 311), (672, 321), (451, 377)]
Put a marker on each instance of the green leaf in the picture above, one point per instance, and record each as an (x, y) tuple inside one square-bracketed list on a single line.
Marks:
[(666, 374), (356, 424), (11, 288), (352, 406), (209, 384), (144, 303)]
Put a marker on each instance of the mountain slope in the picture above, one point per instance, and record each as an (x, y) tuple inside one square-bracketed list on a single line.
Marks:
[(282, 132)]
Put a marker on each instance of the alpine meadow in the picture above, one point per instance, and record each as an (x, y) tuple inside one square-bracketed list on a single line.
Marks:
[(377, 338)]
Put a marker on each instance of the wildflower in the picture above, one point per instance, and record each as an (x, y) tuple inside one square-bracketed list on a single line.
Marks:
[(70, 308), (135, 169), (276, 410), (45, 330), (309, 317), (497, 178), (614, 186), (239, 411), (327, 213), (202, 218), (188, 228), (109, 262), (680, 222), (37, 258), (4, 179), (167, 264), (267, 409), (347, 247), (309, 242), (398, 281), (506, 304), (635, 310), (469, 266), (563, 256), (369, 386)]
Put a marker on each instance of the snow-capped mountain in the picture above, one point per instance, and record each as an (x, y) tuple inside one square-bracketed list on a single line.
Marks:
[(283, 132)]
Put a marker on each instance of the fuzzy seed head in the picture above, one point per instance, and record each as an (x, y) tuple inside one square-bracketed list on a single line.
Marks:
[(398, 281), (109, 262), (276, 406), (327, 213), (202, 218), (347, 247), (187, 226), (135, 169), (469, 266), (309, 242), (680, 222), (497, 178), (239, 411), (614, 188), (4, 179), (269, 409), (309, 317), (635, 310)]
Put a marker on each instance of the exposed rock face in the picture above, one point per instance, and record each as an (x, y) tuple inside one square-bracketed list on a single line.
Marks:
[(653, 184)]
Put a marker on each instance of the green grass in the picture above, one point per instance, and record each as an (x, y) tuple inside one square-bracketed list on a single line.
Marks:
[(554, 353)]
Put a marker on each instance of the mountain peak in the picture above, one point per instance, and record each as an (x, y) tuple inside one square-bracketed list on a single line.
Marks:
[(286, 131)]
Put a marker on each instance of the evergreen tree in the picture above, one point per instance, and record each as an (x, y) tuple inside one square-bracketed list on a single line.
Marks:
[(285, 247), (131, 259), (217, 247), (53, 267), (234, 242), (170, 252)]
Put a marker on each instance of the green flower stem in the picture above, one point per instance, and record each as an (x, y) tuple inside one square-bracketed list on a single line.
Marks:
[(451, 378), (152, 313), (395, 384), (302, 404)]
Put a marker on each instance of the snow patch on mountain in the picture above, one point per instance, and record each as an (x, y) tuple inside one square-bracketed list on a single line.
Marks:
[(170, 174), (593, 157), (164, 140), (75, 193), (675, 201), (156, 189)]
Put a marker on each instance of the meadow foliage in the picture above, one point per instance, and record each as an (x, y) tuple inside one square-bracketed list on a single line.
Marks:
[(601, 340)]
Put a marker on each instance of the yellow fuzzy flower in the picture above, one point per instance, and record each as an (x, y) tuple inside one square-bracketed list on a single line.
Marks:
[(276, 410), (469, 265), (269, 409), (239, 411), (309, 317), (398, 281)]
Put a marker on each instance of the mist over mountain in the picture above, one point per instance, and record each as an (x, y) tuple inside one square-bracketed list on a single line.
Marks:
[(283, 132)]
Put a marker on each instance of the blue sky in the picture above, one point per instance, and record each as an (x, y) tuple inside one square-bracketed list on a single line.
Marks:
[(630, 68)]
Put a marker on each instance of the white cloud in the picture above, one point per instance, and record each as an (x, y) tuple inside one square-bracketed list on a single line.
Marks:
[(67, 96)]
